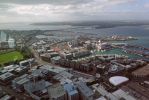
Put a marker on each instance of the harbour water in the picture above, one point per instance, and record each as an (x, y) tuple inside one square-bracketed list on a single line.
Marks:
[(140, 32)]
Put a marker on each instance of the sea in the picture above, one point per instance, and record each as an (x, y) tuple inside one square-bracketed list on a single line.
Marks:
[(141, 32)]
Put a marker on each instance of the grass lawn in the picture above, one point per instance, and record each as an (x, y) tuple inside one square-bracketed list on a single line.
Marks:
[(11, 56)]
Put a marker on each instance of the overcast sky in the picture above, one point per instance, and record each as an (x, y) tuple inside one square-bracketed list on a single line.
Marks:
[(71, 10)]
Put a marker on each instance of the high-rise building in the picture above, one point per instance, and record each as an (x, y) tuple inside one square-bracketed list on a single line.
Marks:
[(6, 42), (11, 43), (3, 37)]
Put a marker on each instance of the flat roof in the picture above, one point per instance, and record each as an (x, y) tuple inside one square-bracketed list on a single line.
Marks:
[(101, 98), (122, 94), (56, 58), (6, 75), (39, 72), (20, 69), (139, 89), (11, 67), (22, 79), (6, 97), (85, 90), (143, 71), (55, 69), (27, 60), (36, 86), (71, 89), (63, 74), (56, 91)]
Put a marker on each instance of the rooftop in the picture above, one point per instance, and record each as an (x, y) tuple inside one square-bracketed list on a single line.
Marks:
[(122, 94), (143, 91), (28, 60), (117, 80), (56, 58), (144, 71), (71, 89), (36, 86), (6, 75), (101, 98), (85, 90), (39, 72), (63, 74), (6, 97), (56, 91), (53, 69), (22, 79), (11, 67)]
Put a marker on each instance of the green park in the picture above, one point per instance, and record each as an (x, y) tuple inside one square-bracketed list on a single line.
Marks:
[(10, 57)]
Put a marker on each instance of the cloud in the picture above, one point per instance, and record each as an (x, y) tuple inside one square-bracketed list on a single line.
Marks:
[(146, 5), (59, 2), (42, 9), (38, 10), (45, 9), (53, 2)]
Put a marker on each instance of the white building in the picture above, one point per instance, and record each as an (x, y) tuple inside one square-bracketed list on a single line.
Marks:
[(11, 43), (117, 80)]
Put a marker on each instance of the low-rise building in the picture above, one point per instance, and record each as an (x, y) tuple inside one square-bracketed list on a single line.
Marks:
[(81, 54), (18, 83), (142, 73), (37, 89), (40, 73), (85, 92), (66, 55), (53, 70), (20, 70), (57, 92), (10, 68), (72, 93), (115, 69), (55, 60), (47, 56), (27, 63), (63, 74), (120, 94), (64, 77), (6, 78)]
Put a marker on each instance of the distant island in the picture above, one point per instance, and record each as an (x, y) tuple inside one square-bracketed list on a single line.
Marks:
[(95, 24)]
